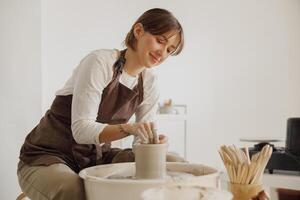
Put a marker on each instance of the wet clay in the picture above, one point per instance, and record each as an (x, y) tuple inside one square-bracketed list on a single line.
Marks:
[(150, 161)]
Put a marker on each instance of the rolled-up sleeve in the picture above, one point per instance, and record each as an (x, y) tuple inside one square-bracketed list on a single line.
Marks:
[(89, 83)]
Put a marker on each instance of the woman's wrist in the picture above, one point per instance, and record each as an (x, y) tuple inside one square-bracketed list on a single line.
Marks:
[(123, 128), (113, 132)]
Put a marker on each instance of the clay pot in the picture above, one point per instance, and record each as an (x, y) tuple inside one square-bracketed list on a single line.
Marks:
[(150, 161)]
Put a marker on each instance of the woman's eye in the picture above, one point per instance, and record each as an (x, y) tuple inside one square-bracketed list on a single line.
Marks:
[(170, 51), (160, 41)]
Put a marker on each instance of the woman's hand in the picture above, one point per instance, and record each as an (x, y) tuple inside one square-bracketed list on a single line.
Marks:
[(146, 131)]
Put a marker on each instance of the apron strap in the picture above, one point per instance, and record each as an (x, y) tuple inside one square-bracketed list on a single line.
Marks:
[(119, 64), (118, 67)]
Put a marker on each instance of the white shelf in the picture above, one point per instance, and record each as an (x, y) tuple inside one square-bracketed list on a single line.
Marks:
[(171, 117)]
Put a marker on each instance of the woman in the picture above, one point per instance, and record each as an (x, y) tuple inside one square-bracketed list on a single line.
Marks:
[(93, 108)]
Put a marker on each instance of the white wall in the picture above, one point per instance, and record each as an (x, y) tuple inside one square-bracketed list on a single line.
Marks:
[(20, 84), (238, 74)]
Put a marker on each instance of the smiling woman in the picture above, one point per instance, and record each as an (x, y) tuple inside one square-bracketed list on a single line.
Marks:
[(93, 109), (154, 36), (161, 24)]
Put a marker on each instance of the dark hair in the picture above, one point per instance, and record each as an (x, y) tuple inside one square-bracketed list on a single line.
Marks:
[(156, 21)]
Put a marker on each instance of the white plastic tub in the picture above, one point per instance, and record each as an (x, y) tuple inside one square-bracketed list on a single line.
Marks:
[(98, 186), (186, 193)]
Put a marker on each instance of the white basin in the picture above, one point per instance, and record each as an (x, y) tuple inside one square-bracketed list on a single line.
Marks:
[(186, 193), (99, 186)]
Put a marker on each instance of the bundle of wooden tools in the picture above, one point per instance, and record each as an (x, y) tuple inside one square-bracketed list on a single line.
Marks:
[(240, 168)]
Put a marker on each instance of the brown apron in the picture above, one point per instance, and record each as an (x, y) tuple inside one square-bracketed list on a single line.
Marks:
[(51, 141)]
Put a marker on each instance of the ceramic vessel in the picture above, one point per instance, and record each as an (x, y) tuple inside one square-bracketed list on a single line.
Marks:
[(150, 161), (244, 191), (168, 110)]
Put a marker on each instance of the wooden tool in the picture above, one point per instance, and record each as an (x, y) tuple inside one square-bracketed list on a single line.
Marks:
[(240, 168)]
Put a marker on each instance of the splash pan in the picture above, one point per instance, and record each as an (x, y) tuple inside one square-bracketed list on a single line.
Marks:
[(117, 181)]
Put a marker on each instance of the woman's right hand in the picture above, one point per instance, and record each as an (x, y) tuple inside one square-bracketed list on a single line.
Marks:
[(146, 131)]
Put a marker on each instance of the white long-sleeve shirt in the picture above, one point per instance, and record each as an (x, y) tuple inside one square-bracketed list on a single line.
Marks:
[(86, 84)]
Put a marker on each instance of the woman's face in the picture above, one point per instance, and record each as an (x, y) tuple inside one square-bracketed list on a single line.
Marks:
[(152, 50)]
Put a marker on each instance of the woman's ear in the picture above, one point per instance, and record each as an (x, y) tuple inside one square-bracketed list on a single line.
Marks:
[(138, 30)]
